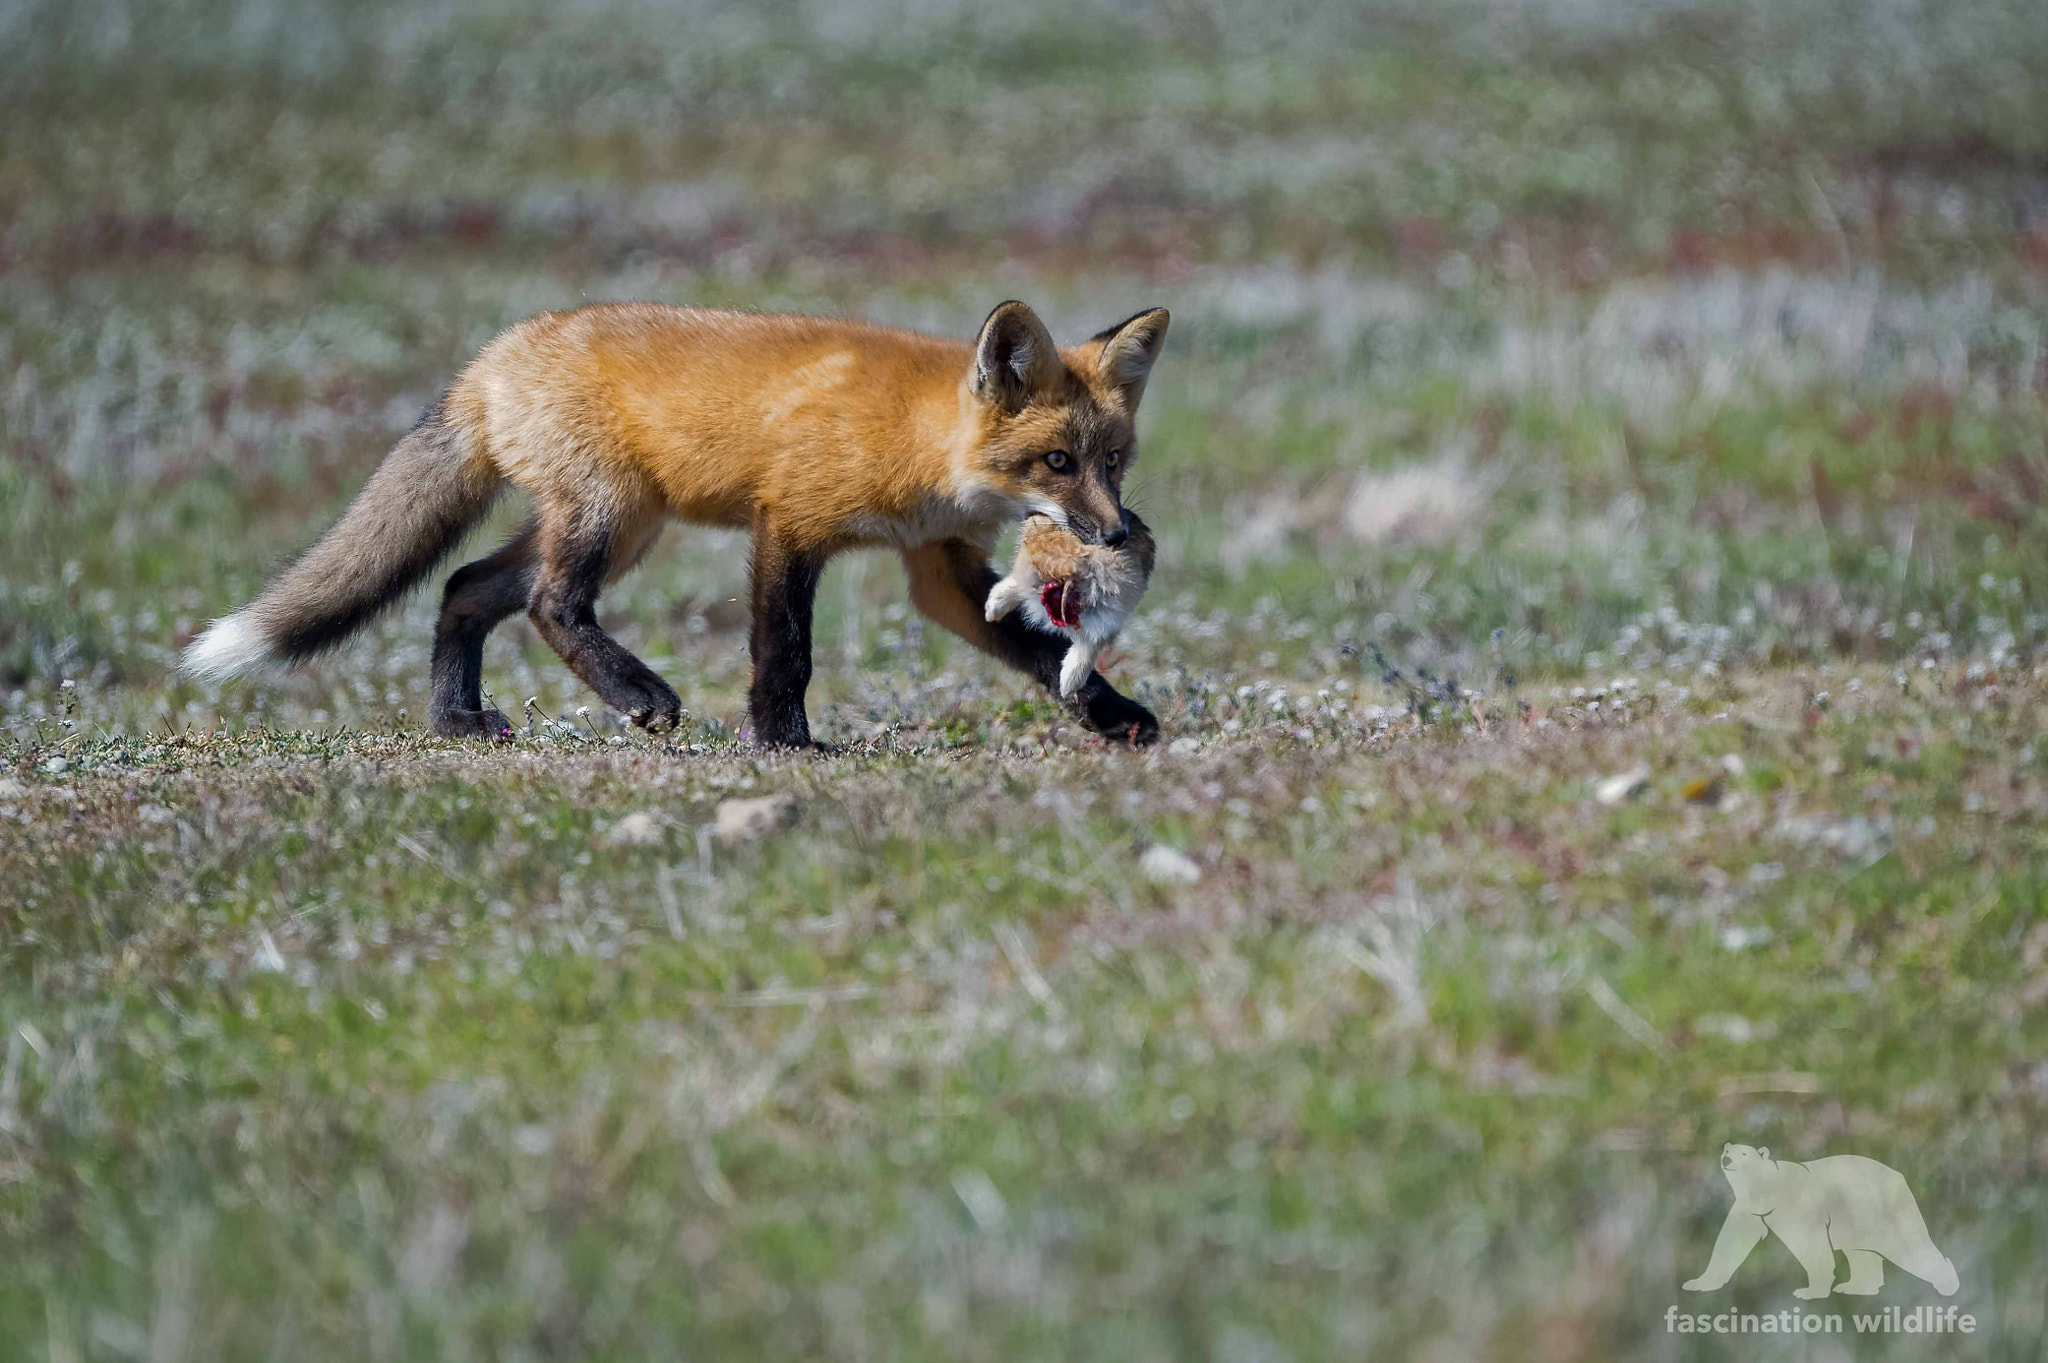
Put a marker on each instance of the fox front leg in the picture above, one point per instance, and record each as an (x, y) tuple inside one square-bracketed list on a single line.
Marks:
[(785, 586)]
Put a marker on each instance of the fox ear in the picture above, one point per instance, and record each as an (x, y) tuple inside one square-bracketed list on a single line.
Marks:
[(1125, 352), (1014, 356)]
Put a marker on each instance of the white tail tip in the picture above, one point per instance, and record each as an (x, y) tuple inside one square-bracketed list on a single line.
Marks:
[(230, 647)]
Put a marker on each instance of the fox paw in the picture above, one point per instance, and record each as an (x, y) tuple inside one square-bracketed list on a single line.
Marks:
[(647, 700), (490, 724), (1117, 717)]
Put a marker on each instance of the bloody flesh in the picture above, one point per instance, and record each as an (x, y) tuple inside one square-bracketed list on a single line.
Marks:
[(1062, 605)]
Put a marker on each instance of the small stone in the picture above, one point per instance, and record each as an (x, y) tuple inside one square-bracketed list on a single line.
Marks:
[(11, 789), (1741, 938), (1612, 790), (748, 820), (1184, 746), (636, 830), (57, 765), (1857, 838), (533, 1140), (1162, 865)]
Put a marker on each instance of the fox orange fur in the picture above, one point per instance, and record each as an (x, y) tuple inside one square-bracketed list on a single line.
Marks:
[(817, 435)]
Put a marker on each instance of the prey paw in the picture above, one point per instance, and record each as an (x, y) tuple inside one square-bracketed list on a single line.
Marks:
[(1003, 598), (1074, 671)]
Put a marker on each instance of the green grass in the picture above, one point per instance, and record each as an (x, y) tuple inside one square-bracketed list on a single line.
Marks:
[(373, 1042), (1552, 395)]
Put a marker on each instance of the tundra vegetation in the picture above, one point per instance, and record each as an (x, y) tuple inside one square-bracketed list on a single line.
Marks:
[(1599, 471)]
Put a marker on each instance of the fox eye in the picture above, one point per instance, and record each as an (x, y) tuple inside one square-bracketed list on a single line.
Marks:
[(1059, 461), (1115, 457)]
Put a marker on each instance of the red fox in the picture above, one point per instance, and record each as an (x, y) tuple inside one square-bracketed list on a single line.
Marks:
[(817, 435)]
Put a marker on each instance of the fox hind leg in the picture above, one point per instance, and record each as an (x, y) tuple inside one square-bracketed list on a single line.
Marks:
[(478, 597), (578, 555)]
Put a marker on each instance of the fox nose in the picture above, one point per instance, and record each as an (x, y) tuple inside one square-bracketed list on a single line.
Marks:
[(1115, 537)]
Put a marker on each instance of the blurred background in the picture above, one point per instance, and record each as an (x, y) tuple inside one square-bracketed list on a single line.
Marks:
[(1678, 354)]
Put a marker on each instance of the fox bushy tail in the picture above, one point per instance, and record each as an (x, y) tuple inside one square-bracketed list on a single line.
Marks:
[(429, 492)]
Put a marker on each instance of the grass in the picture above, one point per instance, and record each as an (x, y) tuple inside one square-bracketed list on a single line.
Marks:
[(364, 1041), (1599, 467)]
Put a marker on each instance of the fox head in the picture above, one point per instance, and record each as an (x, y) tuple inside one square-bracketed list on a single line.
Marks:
[(1051, 429)]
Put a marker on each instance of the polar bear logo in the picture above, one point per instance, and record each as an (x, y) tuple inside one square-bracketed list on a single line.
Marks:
[(1843, 1202)]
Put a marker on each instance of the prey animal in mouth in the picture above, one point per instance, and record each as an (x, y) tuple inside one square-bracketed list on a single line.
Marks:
[(1065, 585)]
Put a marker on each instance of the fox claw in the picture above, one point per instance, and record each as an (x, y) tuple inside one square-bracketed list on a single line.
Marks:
[(662, 722), (646, 700), (1117, 717)]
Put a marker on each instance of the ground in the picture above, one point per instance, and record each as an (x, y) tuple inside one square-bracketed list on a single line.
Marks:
[(1601, 638)]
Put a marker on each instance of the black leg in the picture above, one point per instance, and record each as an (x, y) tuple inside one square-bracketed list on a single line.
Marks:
[(479, 595), (574, 562), (950, 581), (785, 585)]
